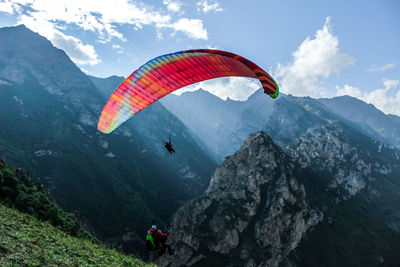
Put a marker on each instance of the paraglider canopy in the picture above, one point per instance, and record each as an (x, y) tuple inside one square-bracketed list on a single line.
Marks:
[(165, 74)]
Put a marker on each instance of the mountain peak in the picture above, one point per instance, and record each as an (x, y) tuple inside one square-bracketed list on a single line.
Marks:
[(199, 95), (29, 57), (21, 31), (16, 27), (199, 91), (243, 213), (260, 138), (19, 27)]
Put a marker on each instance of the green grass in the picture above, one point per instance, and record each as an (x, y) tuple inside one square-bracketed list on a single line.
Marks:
[(18, 191), (26, 241)]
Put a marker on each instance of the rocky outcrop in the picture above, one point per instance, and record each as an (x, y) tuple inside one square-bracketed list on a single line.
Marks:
[(263, 201), (348, 160), (254, 213), (355, 181)]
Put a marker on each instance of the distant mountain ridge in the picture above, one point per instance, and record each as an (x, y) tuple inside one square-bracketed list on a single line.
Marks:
[(106, 86), (367, 116), (223, 125)]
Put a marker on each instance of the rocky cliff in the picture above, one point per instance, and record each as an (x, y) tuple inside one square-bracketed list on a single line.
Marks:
[(254, 213), (348, 159), (328, 199), (355, 181)]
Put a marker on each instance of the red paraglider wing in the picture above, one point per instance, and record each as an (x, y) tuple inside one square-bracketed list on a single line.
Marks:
[(165, 74)]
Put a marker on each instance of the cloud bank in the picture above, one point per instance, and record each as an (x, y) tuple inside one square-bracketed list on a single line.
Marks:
[(52, 18), (314, 61)]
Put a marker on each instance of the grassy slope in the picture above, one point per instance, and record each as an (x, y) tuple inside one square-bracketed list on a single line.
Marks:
[(24, 240), (18, 191)]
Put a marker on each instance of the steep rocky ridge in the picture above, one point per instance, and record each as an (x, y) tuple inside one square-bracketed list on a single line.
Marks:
[(348, 158), (334, 187), (254, 213), (355, 181)]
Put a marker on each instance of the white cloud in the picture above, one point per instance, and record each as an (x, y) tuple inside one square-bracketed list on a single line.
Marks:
[(348, 90), (173, 5), (85, 71), (117, 48), (78, 52), (390, 84), (192, 27), (380, 68), (101, 17), (314, 61), (236, 88), (207, 6), (386, 99), (8, 7)]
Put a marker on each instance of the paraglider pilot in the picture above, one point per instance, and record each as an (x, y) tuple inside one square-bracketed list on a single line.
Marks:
[(156, 240), (168, 146)]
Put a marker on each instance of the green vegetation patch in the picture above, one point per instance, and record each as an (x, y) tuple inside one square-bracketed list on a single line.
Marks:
[(26, 241), (18, 191)]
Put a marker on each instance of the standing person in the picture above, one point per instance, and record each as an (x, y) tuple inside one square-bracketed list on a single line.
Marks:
[(156, 240)]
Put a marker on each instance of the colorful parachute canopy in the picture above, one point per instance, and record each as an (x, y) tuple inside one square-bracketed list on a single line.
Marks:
[(165, 74)]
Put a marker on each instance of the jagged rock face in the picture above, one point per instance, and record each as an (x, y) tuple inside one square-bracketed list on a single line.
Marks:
[(355, 181), (253, 213), (348, 164)]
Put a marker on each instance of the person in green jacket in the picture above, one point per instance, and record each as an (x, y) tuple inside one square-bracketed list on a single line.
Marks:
[(156, 240)]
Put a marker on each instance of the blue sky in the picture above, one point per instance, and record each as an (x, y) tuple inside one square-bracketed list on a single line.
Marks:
[(313, 48)]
